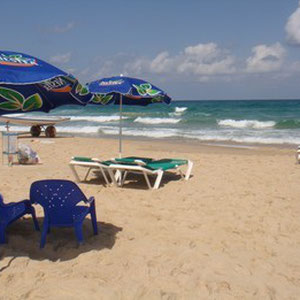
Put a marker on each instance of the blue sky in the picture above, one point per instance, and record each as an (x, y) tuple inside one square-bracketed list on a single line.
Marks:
[(193, 49)]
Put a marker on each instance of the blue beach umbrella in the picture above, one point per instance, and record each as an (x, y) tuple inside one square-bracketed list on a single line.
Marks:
[(29, 84), (121, 90)]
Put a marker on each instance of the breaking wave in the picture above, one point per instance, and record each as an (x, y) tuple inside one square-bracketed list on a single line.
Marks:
[(246, 124), (100, 119), (157, 120), (180, 109)]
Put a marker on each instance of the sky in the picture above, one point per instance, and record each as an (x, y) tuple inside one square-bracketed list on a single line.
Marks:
[(192, 49)]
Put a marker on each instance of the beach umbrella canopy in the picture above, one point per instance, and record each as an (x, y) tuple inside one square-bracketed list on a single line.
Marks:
[(121, 90), (29, 84)]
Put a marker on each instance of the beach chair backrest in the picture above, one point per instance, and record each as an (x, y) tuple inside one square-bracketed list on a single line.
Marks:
[(57, 197)]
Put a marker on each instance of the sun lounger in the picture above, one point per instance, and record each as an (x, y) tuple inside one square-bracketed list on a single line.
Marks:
[(92, 163), (132, 164), (149, 166)]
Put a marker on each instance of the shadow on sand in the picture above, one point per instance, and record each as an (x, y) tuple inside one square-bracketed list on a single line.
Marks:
[(61, 243), (136, 181)]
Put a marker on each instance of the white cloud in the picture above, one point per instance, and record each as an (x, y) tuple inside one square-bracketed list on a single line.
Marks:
[(162, 63), (105, 69), (202, 62), (61, 58), (136, 66), (292, 27), (206, 59), (63, 28), (266, 58), (199, 60)]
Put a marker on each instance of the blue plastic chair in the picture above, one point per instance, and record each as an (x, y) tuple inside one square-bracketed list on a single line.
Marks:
[(59, 198), (13, 211)]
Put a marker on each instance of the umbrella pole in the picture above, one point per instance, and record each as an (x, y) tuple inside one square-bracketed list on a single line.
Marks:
[(120, 129)]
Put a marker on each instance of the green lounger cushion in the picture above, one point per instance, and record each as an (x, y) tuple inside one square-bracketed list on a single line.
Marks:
[(164, 164), (131, 159), (84, 159), (88, 159)]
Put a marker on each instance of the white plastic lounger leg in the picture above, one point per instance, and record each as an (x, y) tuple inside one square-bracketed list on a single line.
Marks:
[(118, 175), (147, 180), (104, 176), (113, 176), (123, 178), (189, 170), (158, 179), (87, 174), (75, 173)]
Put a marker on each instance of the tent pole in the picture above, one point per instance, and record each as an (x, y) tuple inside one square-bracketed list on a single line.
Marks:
[(120, 128)]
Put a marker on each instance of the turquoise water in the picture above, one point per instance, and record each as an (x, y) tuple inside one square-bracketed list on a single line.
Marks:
[(265, 122)]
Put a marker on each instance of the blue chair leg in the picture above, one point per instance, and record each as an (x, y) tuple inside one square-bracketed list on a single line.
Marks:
[(35, 222), (94, 221), (44, 234), (78, 232), (2, 234), (30, 210)]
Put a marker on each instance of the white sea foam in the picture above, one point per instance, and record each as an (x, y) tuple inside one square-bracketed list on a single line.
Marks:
[(250, 138), (180, 109), (157, 120), (246, 124), (162, 133), (100, 119), (245, 136), (152, 134), (77, 129), (202, 135)]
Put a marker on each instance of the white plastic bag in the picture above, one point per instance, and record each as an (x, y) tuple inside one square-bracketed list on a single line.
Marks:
[(26, 155)]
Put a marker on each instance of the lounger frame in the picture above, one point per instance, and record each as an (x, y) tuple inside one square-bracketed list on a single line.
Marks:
[(90, 165), (140, 168)]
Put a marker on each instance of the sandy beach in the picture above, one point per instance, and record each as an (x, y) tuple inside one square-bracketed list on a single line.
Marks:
[(231, 232)]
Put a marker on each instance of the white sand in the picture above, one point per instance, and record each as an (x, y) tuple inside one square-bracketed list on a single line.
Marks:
[(231, 232)]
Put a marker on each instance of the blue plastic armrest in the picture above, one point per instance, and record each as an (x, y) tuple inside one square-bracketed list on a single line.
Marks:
[(15, 203)]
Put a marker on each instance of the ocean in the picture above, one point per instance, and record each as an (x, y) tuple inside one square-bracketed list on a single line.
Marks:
[(245, 122)]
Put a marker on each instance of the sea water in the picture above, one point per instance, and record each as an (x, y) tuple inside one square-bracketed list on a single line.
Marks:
[(262, 122)]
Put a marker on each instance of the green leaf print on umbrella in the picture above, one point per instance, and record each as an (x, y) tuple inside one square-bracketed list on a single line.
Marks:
[(81, 89), (16, 101), (32, 102), (9, 106), (12, 96), (145, 89), (157, 99), (101, 98)]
